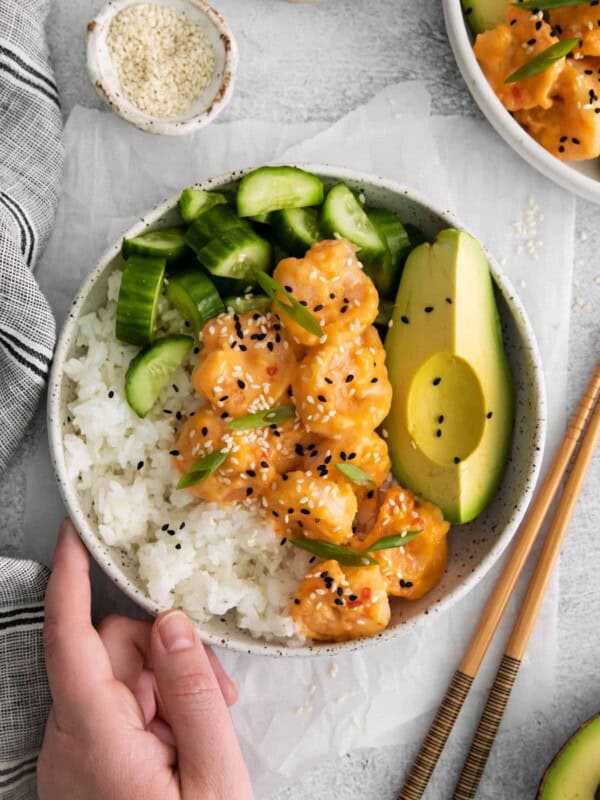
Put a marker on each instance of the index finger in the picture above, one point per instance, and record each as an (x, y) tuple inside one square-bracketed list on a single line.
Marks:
[(76, 660)]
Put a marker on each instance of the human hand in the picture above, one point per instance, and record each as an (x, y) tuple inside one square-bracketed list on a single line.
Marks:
[(139, 709)]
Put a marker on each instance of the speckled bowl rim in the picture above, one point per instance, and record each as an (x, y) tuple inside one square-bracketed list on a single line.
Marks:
[(147, 122), (260, 647), (564, 174)]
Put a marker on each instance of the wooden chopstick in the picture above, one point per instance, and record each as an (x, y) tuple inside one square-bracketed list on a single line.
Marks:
[(431, 749), (483, 740)]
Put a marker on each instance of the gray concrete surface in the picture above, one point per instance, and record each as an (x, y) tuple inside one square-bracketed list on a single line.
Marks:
[(317, 61)]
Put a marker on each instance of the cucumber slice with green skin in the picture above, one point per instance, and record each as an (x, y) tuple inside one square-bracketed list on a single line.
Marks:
[(194, 202), (248, 302), (343, 215), (236, 253), (295, 229), (386, 270), (167, 243), (211, 223), (151, 370), (483, 15), (271, 188), (138, 299), (195, 296)]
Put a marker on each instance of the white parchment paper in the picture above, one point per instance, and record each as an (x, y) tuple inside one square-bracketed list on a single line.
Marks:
[(291, 713)]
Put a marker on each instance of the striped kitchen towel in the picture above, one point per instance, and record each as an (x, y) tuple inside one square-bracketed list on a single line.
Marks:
[(30, 169)]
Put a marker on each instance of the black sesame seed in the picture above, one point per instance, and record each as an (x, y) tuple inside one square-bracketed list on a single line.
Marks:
[(196, 350), (165, 527), (531, 41), (175, 387), (318, 307), (204, 431), (251, 473), (351, 456), (243, 348), (349, 378), (177, 546), (371, 494), (167, 411), (296, 601), (449, 301), (224, 415), (178, 416), (441, 418), (111, 394), (340, 591), (305, 511), (456, 460), (270, 346), (343, 455), (224, 398), (405, 320), (353, 597), (513, 22), (284, 477), (288, 288), (324, 574), (140, 464), (338, 601), (283, 541), (489, 415), (171, 532), (312, 560), (173, 452), (561, 149), (436, 381), (290, 511), (249, 491), (182, 526), (241, 384), (303, 303), (575, 140), (327, 459), (538, 24), (275, 513), (321, 398), (428, 309), (329, 381), (438, 433), (298, 449)]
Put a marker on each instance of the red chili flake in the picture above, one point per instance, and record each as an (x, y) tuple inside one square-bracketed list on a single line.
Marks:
[(366, 594), (272, 371)]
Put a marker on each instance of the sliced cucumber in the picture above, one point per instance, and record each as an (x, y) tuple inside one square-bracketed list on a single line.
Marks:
[(194, 202), (167, 243), (211, 223), (343, 215), (236, 253), (295, 229), (151, 370), (482, 15), (271, 188), (138, 299), (248, 302), (386, 270), (195, 296)]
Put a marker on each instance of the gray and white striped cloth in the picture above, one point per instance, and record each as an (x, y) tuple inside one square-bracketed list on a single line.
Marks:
[(30, 170)]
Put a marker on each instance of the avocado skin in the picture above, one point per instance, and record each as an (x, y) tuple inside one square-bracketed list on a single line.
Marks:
[(446, 316), (567, 777)]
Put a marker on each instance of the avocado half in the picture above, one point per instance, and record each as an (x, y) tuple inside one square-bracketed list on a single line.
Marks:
[(451, 421), (574, 774)]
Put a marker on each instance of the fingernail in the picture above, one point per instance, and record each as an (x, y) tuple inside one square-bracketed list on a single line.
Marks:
[(176, 632)]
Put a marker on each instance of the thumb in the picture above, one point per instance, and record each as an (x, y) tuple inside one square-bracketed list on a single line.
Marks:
[(208, 753)]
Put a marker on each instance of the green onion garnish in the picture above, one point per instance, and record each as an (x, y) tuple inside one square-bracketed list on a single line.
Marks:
[(202, 469), (342, 555), (355, 474), (396, 540), (293, 308), (270, 416), (547, 5), (543, 60)]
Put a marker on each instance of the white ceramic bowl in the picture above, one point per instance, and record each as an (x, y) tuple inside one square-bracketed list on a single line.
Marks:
[(474, 547), (205, 108), (580, 177)]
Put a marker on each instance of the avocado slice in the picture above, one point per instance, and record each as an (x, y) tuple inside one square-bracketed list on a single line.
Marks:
[(574, 774), (450, 425), (482, 15)]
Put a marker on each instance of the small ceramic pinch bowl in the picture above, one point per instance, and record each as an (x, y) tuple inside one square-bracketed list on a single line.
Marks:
[(204, 108), (474, 548)]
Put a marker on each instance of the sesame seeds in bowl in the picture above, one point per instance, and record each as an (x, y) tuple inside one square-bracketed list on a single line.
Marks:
[(166, 66)]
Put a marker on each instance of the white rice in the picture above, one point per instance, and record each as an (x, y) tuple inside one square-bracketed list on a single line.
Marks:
[(224, 561)]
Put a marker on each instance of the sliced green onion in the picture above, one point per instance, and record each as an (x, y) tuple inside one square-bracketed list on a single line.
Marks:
[(202, 469), (270, 416), (342, 555), (543, 60), (356, 474), (547, 5), (293, 309), (396, 540)]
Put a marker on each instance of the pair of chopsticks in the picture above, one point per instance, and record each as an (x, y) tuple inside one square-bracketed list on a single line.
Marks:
[(588, 412)]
